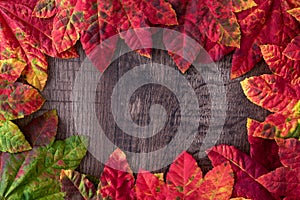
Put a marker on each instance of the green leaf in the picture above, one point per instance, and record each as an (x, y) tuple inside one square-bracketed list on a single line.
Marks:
[(12, 139), (35, 174)]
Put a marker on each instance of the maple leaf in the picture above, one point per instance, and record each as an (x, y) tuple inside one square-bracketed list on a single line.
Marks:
[(211, 23), (184, 177), (117, 184), (246, 171), (267, 23), (28, 38), (76, 185), (112, 17), (218, 183)]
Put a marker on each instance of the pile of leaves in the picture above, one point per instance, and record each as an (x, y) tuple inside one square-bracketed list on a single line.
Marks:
[(35, 166)]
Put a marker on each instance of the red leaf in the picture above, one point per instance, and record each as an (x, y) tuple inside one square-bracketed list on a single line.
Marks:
[(282, 182), (42, 130), (18, 100), (31, 36), (11, 69), (202, 21), (112, 17), (281, 65), (271, 92), (149, 186), (295, 13), (68, 23), (289, 152), (262, 150), (218, 183), (184, 177), (45, 9), (246, 171), (292, 50), (267, 23), (117, 184)]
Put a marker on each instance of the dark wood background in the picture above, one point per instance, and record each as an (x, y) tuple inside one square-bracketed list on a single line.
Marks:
[(59, 86)]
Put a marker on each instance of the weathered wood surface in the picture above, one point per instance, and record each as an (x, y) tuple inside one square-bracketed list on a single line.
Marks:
[(58, 94)]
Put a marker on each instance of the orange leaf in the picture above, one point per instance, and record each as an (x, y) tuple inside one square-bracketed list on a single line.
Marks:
[(218, 183), (184, 177)]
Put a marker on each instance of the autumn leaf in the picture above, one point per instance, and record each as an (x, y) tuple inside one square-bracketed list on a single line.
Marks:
[(184, 177), (11, 69), (271, 92), (282, 124), (218, 183), (45, 9), (150, 186), (267, 23), (12, 139), (282, 182), (30, 37), (289, 150), (210, 23), (262, 150), (35, 174), (292, 50), (76, 185), (18, 100), (42, 130), (108, 18), (246, 171), (280, 64), (117, 181)]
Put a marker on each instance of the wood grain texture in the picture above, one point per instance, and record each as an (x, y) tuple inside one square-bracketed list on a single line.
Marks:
[(58, 94)]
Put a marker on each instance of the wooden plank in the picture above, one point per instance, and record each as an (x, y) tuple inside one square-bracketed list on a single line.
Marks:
[(62, 74)]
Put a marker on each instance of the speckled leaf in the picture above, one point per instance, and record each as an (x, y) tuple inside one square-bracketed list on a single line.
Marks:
[(218, 183), (262, 150), (107, 18), (240, 5), (191, 18), (68, 24), (35, 174), (117, 181), (184, 178), (271, 92), (283, 182), (295, 13), (76, 185), (267, 23), (42, 130), (279, 64), (219, 22), (283, 124), (292, 50), (149, 186), (11, 69), (32, 36), (246, 172), (18, 100), (11, 138), (289, 152), (45, 9)]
